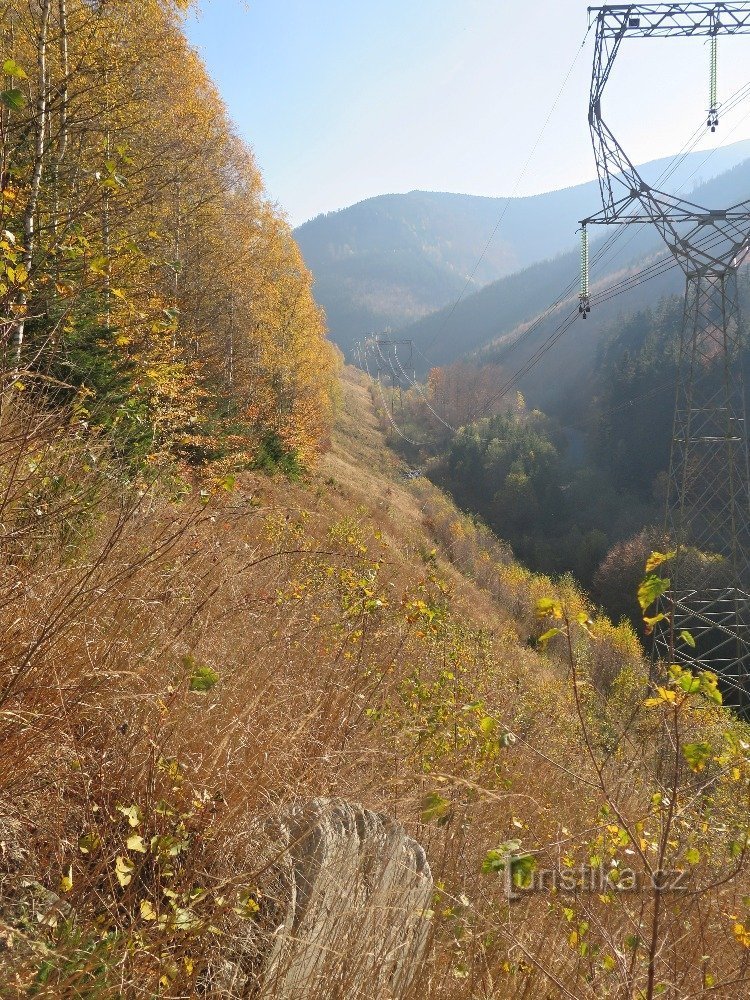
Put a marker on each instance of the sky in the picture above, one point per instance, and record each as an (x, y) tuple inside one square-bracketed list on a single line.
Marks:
[(342, 100)]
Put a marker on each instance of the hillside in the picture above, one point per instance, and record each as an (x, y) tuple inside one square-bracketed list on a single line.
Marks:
[(348, 635), (278, 721), (486, 324), (393, 259)]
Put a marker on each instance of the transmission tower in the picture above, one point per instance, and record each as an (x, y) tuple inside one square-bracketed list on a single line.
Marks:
[(708, 503), (387, 360)]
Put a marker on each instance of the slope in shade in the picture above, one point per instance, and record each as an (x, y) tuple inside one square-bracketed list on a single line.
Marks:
[(393, 259), (493, 324)]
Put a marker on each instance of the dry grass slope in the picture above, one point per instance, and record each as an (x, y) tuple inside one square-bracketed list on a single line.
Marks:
[(177, 666)]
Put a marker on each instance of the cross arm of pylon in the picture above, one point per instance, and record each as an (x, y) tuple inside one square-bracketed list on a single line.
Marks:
[(663, 20)]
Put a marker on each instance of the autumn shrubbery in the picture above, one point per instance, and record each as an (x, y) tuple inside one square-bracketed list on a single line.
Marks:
[(189, 659)]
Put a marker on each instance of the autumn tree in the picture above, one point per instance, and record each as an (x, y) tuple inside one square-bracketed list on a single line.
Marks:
[(148, 282)]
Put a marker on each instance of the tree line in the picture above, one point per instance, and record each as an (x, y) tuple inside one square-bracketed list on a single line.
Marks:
[(146, 280)]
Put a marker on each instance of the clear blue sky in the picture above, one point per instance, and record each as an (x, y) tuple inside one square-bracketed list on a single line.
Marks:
[(345, 99)]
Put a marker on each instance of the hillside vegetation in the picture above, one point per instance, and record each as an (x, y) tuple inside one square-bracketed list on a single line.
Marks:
[(222, 592), (191, 662), (148, 284), (575, 468)]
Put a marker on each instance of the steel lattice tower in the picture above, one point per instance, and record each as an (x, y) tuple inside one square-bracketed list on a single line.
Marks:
[(708, 504)]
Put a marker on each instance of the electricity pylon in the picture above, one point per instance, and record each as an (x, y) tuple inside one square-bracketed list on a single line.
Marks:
[(708, 503), (386, 361)]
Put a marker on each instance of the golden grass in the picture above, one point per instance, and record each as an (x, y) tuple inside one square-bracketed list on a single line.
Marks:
[(370, 643)]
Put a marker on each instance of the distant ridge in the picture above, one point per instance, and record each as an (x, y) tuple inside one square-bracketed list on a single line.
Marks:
[(393, 259), (484, 324)]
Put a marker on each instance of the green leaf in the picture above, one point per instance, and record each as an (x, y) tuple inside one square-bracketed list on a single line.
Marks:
[(521, 866), (737, 847), (692, 856), (652, 588), (203, 679), (657, 558), (696, 755), (497, 859), (689, 684), (435, 807), (522, 870), (13, 99), (544, 639), (687, 637), (487, 724), (11, 68)]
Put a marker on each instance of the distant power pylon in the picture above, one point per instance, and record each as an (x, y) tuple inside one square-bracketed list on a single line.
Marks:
[(708, 504), (390, 368)]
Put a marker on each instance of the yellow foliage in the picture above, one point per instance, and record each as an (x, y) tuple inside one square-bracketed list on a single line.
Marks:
[(148, 205)]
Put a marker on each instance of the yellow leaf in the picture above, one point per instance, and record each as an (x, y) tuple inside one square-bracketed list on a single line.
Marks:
[(124, 870), (131, 813), (147, 910), (547, 606), (657, 558), (135, 843), (66, 882)]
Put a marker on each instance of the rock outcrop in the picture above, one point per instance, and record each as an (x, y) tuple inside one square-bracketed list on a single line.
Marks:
[(343, 895)]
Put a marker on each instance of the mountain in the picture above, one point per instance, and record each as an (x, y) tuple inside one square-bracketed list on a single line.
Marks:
[(492, 324), (393, 259)]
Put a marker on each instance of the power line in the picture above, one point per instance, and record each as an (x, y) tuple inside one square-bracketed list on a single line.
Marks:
[(512, 194), (653, 270)]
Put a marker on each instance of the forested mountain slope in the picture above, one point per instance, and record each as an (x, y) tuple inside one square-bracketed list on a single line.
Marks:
[(392, 259), (148, 283)]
